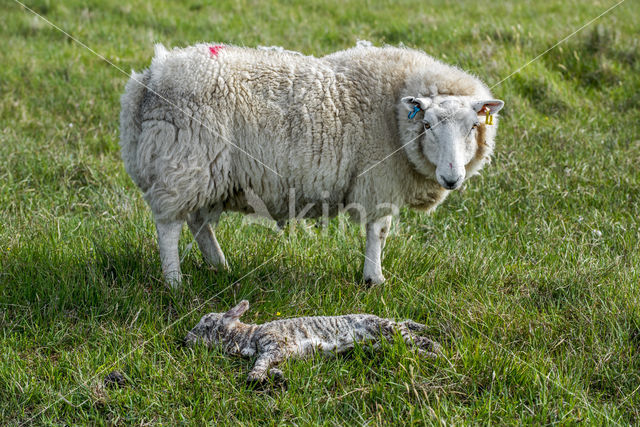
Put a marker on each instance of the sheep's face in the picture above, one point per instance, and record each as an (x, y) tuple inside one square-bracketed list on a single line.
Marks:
[(214, 326), (441, 138)]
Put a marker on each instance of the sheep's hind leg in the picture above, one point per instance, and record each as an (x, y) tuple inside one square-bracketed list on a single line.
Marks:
[(168, 236), (200, 226)]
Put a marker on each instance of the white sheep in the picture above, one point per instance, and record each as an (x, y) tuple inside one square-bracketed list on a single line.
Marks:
[(207, 128)]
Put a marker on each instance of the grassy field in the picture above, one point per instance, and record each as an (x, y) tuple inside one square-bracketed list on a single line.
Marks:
[(528, 276)]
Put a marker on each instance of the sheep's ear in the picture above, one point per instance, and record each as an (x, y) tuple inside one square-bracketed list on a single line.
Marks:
[(481, 107), (410, 102), (236, 312)]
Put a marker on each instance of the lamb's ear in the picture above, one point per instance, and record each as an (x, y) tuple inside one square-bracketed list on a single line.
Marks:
[(410, 102), (236, 312), (494, 105)]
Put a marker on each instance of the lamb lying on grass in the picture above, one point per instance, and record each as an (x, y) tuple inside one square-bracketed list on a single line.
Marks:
[(276, 341)]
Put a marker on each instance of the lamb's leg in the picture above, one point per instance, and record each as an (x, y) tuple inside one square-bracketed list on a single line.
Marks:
[(200, 226), (277, 375), (168, 236), (377, 232), (413, 326), (426, 346), (263, 366)]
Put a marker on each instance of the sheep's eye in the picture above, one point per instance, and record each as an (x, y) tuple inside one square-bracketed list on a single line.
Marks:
[(427, 126)]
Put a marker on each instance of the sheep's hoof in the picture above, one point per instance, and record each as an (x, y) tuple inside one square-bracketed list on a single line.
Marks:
[(374, 280), (218, 266), (173, 279)]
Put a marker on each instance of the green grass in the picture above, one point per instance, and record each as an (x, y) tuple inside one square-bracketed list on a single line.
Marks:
[(528, 277)]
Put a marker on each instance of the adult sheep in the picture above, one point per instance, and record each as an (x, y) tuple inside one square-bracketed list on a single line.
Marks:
[(208, 128)]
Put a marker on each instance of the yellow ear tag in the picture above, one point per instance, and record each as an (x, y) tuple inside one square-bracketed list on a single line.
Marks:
[(489, 117)]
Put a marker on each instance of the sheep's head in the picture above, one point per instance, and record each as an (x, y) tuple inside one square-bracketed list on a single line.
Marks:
[(214, 326), (440, 134)]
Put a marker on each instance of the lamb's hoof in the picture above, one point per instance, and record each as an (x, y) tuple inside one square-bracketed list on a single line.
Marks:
[(374, 280), (276, 374), (435, 347), (429, 348), (277, 378)]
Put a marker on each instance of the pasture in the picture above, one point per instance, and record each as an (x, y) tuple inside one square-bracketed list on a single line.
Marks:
[(528, 276)]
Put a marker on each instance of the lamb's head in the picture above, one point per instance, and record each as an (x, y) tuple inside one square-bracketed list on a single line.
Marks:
[(440, 134), (214, 326)]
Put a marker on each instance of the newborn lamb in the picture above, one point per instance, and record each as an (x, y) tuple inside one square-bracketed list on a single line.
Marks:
[(273, 342)]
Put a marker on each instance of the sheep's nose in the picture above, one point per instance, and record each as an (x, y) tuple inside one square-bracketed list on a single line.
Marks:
[(448, 183)]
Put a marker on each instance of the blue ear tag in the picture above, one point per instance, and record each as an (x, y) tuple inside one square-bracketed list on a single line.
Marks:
[(414, 112)]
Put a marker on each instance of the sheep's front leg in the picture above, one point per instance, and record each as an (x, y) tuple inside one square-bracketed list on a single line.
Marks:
[(377, 232), (200, 226), (168, 236)]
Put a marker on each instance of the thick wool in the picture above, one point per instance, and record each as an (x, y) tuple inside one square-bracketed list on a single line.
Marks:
[(206, 128), (276, 341)]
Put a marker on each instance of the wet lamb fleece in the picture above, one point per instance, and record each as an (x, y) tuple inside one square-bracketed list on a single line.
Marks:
[(274, 342)]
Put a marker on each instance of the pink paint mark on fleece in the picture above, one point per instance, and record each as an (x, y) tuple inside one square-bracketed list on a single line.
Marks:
[(215, 49)]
